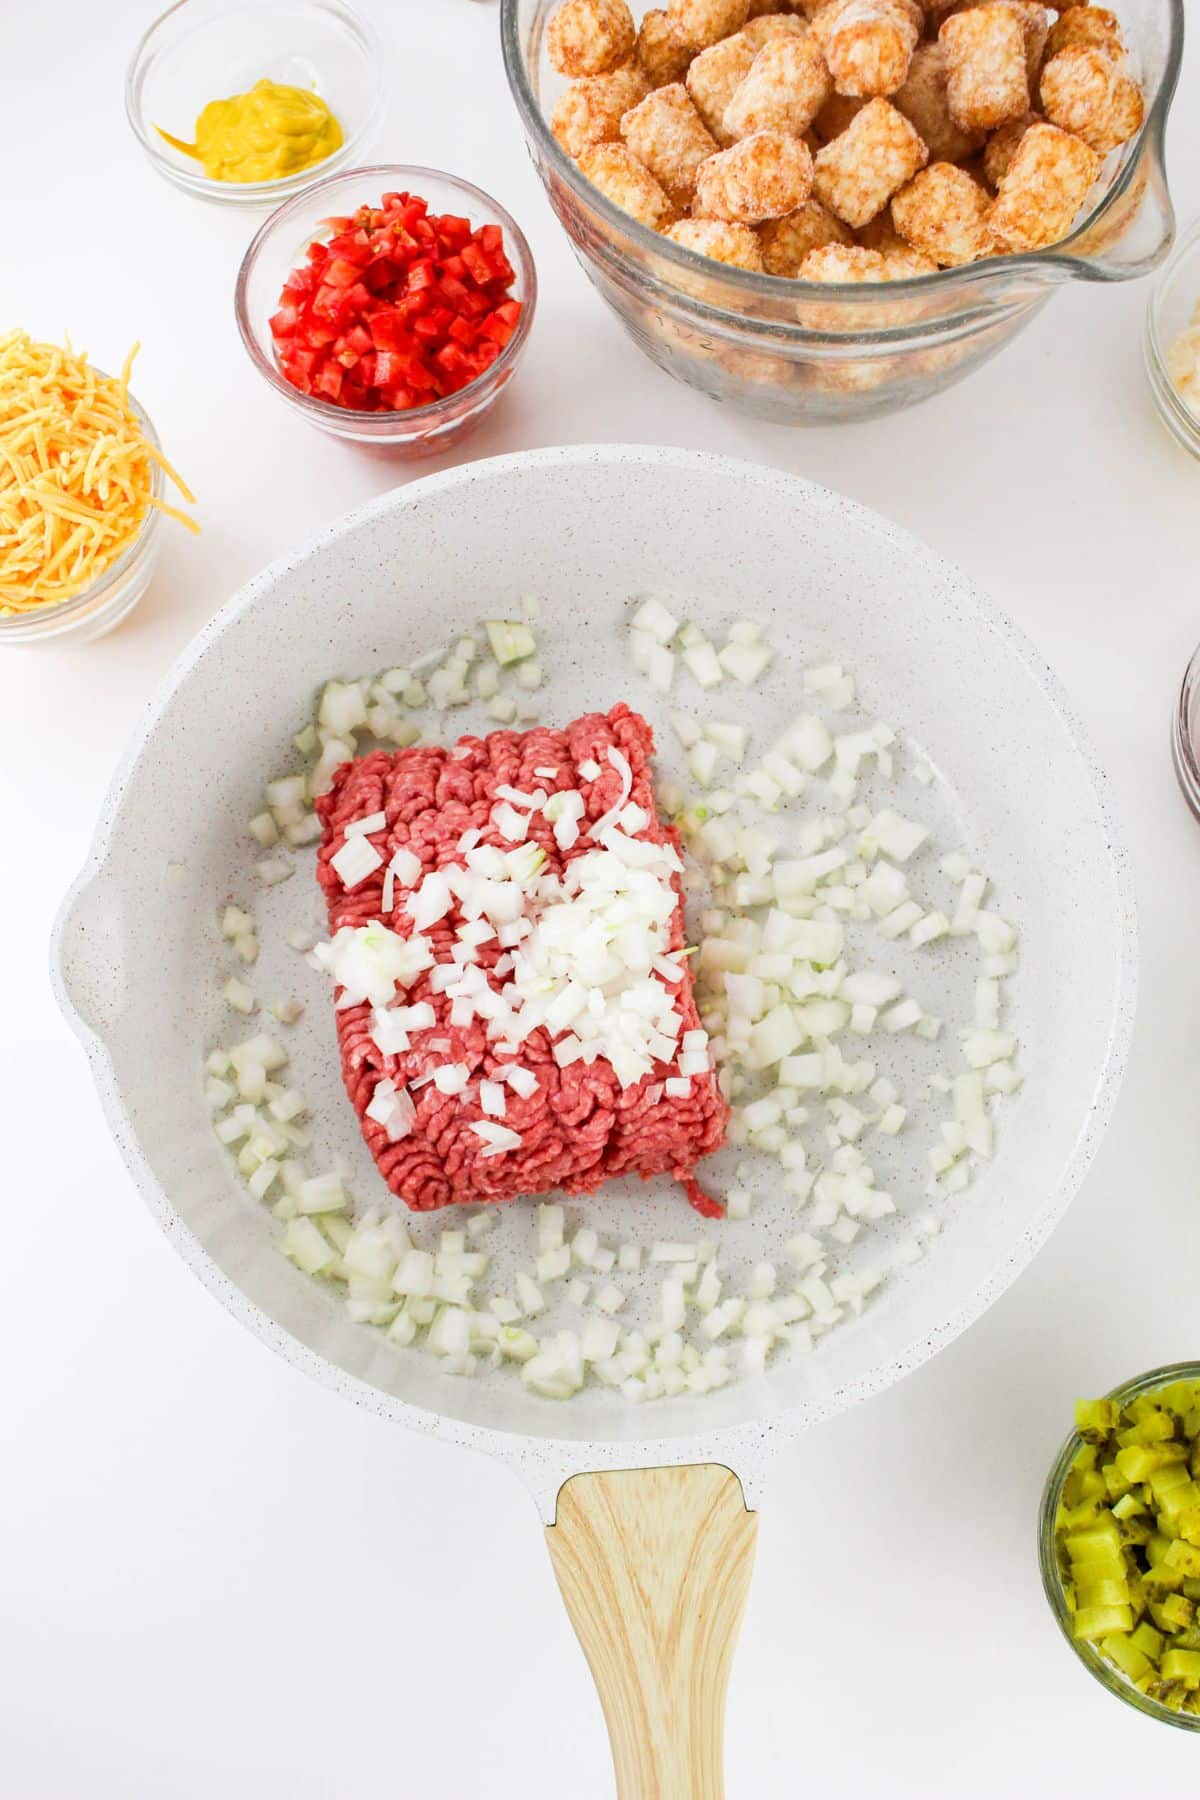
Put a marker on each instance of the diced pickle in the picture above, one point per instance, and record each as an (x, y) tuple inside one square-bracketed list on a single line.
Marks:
[(1122, 1651), (1155, 1428), (1182, 1665), (1138, 1462), (1183, 1557), (1099, 1621), (1102, 1593), (1096, 1418)]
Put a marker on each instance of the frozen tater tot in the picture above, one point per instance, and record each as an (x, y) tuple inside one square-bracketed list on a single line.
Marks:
[(943, 212), (1035, 22), (842, 262), (899, 256), (924, 103), (722, 241), (625, 181), (987, 75), (786, 242), (856, 175), (660, 56), (906, 263), (868, 44), (760, 31), (784, 90), (714, 77), (666, 133), (835, 116), (762, 177), (1085, 91), (590, 111), (880, 234), (699, 23), (1043, 189), (589, 37), (1003, 145), (1093, 25)]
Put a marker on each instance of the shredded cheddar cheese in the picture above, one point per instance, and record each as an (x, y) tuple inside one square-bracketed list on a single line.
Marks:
[(77, 473)]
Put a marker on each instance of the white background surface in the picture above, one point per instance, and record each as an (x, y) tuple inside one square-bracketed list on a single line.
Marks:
[(216, 1578)]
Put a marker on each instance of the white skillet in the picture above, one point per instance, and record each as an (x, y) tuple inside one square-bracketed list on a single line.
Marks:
[(653, 1541)]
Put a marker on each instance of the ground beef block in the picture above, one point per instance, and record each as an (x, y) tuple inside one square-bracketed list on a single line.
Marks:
[(580, 1127)]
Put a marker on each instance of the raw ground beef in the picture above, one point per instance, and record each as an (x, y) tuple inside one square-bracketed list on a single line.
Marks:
[(580, 1127)]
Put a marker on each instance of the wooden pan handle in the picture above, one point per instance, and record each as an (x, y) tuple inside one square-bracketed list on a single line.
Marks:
[(654, 1566)]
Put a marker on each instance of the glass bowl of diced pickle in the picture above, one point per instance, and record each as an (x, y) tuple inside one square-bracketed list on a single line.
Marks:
[(1119, 1542), (818, 210)]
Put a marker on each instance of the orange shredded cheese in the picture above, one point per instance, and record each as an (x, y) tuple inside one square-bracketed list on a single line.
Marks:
[(77, 472)]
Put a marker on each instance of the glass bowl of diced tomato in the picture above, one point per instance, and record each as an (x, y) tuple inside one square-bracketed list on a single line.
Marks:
[(388, 305)]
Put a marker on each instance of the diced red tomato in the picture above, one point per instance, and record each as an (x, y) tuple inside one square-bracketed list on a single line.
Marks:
[(396, 306), (340, 272)]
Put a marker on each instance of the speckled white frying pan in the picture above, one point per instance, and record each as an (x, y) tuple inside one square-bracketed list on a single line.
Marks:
[(653, 1561)]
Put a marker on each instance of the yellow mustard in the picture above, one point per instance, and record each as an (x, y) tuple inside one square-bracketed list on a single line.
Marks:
[(272, 131)]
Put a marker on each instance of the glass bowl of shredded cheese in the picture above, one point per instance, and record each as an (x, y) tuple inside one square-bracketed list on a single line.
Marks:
[(82, 480), (1173, 342)]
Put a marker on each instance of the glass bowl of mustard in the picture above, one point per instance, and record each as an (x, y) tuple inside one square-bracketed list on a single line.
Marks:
[(246, 103)]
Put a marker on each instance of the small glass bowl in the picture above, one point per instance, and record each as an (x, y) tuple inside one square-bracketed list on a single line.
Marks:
[(1185, 729), (1088, 1654), (112, 596), (1173, 301), (280, 244), (202, 50)]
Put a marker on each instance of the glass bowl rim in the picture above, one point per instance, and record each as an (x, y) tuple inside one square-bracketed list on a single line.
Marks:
[(974, 276), (1104, 1672), (324, 411), (249, 193), (1187, 768), (25, 625), (1182, 420)]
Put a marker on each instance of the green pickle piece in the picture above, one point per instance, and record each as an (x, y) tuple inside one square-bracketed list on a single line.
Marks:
[(1096, 1418), (1182, 1665), (1172, 1614), (1121, 1650), (1183, 1557), (1099, 1621)]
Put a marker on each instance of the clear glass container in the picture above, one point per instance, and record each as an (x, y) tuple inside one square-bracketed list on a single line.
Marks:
[(797, 352), (1105, 1673), (202, 50), (97, 609), (280, 245), (1173, 304), (1185, 736)]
